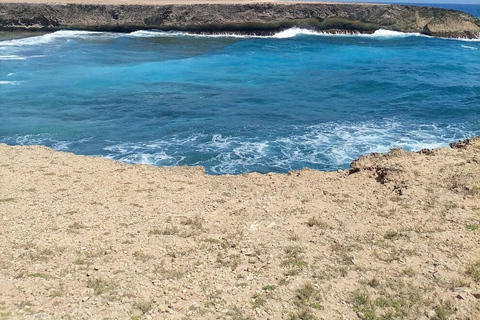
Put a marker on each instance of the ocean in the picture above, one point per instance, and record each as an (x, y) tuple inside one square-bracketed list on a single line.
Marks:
[(237, 104)]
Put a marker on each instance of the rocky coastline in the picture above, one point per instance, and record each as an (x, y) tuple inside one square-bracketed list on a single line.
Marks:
[(250, 18)]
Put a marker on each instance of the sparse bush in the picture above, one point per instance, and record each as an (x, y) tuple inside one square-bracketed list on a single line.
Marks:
[(315, 222), (474, 271), (99, 285)]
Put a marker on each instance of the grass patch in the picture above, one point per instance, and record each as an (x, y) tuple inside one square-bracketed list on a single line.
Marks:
[(303, 314), (211, 241), (231, 261), (56, 294), (168, 231), (38, 275), (374, 282), (294, 237), (138, 255), (294, 260), (258, 301), (472, 227), (443, 311), (242, 285), (363, 305), (144, 305), (474, 271), (195, 222), (76, 227), (99, 285), (167, 274), (237, 314), (391, 235), (316, 222), (305, 295), (269, 288)]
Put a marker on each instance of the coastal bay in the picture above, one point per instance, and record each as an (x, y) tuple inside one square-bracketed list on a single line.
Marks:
[(207, 213)]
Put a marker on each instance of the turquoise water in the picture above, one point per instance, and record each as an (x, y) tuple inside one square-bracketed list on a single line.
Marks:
[(238, 104)]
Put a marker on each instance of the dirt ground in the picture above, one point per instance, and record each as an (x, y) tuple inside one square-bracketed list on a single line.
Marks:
[(396, 237)]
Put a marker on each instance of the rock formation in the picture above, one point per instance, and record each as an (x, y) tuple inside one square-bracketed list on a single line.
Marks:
[(254, 18)]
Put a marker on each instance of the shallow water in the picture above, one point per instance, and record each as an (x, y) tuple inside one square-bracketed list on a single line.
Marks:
[(238, 104)]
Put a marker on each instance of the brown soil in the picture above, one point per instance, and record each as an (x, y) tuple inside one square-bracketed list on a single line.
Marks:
[(396, 237)]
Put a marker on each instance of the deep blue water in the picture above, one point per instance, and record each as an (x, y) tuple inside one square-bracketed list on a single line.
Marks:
[(238, 104)]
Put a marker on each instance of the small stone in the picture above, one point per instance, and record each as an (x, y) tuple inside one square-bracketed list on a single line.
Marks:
[(430, 314), (476, 295), (461, 297)]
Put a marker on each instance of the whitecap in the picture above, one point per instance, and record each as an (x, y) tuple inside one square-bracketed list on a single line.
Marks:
[(156, 33), (284, 34), (381, 34), (59, 35), (12, 57), (15, 83), (469, 47), (293, 32)]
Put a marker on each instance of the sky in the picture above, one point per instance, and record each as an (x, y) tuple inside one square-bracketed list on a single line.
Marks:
[(416, 1)]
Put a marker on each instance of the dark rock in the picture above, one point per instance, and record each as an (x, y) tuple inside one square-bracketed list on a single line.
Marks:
[(460, 144), (257, 18)]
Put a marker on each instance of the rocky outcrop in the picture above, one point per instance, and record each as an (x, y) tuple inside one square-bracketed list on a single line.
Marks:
[(259, 18)]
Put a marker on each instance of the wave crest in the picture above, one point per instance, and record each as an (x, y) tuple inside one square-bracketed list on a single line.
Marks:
[(65, 35)]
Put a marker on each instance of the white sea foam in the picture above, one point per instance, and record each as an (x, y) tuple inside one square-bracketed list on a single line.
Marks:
[(285, 34), (59, 35), (171, 34), (381, 34), (155, 34), (327, 145), (10, 74), (66, 35), (469, 47), (12, 57), (293, 32), (392, 34), (15, 83)]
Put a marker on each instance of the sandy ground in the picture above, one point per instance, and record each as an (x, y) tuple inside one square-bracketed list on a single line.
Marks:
[(163, 2), (89, 238)]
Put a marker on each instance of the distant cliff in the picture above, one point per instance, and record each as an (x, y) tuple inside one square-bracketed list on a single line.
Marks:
[(261, 18)]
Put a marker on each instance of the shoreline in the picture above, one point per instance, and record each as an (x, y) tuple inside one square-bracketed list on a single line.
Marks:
[(351, 169), (250, 17), (82, 236)]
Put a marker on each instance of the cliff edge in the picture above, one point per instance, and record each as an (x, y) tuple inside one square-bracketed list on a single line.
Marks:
[(396, 237), (251, 18)]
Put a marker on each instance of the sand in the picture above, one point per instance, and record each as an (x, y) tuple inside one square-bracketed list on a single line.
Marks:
[(90, 238)]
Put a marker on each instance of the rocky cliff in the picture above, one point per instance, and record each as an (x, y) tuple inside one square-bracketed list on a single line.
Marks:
[(260, 18)]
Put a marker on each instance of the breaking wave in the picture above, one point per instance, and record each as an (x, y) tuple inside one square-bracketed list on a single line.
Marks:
[(326, 146), (66, 35)]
